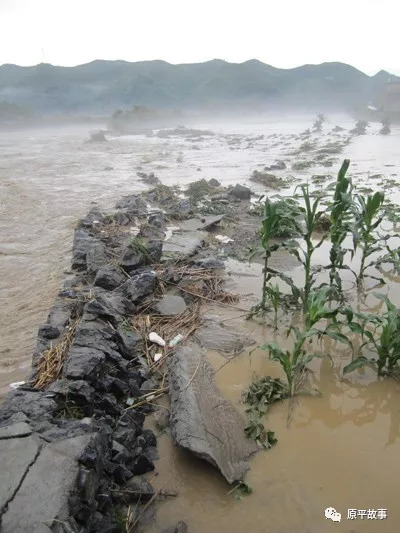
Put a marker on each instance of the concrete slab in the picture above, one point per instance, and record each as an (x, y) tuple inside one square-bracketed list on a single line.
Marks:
[(202, 421), (186, 243), (20, 429), (43, 495), (16, 456)]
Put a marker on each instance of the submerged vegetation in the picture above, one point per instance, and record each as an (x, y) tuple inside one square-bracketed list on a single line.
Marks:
[(353, 224)]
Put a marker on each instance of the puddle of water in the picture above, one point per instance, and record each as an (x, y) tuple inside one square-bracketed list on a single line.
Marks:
[(339, 450)]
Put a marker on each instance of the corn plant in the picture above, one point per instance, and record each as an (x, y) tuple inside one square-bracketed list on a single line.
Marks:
[(368, 213), (306, 220), (276, 215), (275, 297), (381, 333), (294, 362), (341, 213)]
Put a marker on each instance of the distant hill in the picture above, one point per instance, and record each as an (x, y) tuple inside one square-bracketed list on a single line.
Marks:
[(104, 86)]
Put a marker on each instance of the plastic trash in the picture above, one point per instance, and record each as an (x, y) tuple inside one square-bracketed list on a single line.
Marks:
[(153, 337), (157, 357), (130, 401), (224, 239), (17, 384), (169, 231), (176, 340)]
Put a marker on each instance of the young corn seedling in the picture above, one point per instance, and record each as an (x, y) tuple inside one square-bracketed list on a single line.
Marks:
[(275, 297), (381, 333), (368, 212), (310, 216), (276, 215), (294, 362), (341, 214)]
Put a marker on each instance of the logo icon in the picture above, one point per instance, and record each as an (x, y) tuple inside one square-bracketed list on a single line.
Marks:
[(332, 514)]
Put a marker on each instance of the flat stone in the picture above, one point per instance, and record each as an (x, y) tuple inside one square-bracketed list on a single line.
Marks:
[(20, 429), (202, 421), (35, 405), (184, 244), (44, 493), (16, 456), (170, 305), (204, 223), (222, 338)]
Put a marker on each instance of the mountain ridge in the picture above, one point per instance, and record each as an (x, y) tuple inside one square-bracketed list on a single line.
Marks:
[(106, 85)]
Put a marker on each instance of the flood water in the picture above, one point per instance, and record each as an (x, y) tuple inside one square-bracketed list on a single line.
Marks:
[(341, 450)]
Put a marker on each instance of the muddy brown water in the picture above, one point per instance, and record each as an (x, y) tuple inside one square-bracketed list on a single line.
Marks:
[(341, 449), (337, 450)]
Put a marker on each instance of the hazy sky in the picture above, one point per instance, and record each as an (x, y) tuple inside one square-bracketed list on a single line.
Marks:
[(283, 33)]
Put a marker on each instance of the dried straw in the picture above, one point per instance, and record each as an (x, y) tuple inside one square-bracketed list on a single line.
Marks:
[(52, 361)]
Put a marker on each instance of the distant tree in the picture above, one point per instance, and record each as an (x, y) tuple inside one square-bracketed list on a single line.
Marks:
[(318, 122), (385, 130), (360, 128)]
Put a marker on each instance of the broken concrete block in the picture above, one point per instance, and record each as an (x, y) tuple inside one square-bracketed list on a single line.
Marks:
[(202, 421)]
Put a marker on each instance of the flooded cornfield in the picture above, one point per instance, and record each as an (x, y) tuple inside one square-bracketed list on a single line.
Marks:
[(338, 448)]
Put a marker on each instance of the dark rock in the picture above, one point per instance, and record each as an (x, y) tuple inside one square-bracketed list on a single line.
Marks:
[(139, 286), (48, 332), (209, 263), (157, 220), (132, 258), (117, 448), (97, 136), (105, 524), (126, 436), (83, 240), (278, 165), (214, 183), (84, 363), (110, 306), (35, 405), (95, 334), (149, 385), (122, 218), (138, 488), (155, 249), (129, 343), (151, 453), (109, 405), (150, 178), (115, 386), (133, 203), (95, 216), (140, 465), (149, 437), (118, 471), (181, 527), (77, 391), (88, 482), (96, 257), (241, 192), (109, 277)]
